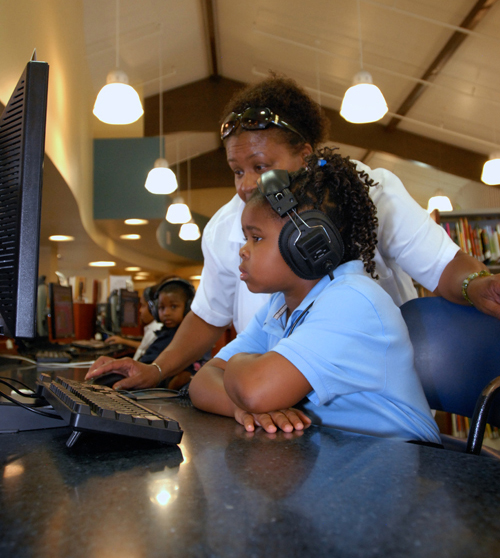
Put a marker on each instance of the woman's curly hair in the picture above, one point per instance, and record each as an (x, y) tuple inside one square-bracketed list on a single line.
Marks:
[(287, 99), (332, 184)]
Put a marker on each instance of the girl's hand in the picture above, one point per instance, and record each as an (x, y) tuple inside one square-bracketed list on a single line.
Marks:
[(287, 420)]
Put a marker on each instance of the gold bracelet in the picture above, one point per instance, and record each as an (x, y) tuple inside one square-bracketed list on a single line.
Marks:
[(472, 276), (159, 370)]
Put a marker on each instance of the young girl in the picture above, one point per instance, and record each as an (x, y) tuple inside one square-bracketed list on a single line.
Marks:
[(338, 340)]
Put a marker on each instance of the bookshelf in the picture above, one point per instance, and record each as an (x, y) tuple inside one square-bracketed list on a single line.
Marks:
[(477, 232)]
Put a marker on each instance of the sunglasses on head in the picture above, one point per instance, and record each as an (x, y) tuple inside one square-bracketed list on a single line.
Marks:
[(254, 119)]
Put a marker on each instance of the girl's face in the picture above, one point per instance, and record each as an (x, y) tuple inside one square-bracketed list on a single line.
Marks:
[(250, 154), (171, 307), (262, 267)]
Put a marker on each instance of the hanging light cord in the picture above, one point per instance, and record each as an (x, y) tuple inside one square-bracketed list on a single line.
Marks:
[(359, 35), (117, 33), (161, 94), (189, 181)]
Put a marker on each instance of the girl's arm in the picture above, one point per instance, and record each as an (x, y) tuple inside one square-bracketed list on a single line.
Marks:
[(264, 383), (207, 391)]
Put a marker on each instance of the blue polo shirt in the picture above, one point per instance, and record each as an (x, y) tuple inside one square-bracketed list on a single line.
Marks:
[(348, 338)]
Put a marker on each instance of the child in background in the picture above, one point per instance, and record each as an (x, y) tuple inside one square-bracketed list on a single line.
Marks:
[(170, 303), (149, 323), (329, 334)]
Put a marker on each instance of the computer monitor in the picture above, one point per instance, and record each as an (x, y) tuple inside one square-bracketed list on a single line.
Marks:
[(61, 311), (22, 142), (128, 303)]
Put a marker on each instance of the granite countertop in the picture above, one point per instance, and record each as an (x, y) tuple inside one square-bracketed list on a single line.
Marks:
[(224, 492)]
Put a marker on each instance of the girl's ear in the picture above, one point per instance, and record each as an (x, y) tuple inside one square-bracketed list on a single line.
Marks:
[(306, 151)]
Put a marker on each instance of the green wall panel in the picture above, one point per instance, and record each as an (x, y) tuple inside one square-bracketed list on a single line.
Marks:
[(120, 170)]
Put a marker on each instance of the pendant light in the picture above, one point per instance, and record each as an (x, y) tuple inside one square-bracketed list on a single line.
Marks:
[(491, 170), (363, 102), (161, 179), (178, 212), (190, 230), (439, 202), (118, 102)]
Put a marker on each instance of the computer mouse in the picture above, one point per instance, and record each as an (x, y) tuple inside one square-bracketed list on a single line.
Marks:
[(108, 379)]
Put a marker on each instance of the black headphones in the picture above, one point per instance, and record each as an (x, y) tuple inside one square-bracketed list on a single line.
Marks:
[(153, 295), (310, 243)]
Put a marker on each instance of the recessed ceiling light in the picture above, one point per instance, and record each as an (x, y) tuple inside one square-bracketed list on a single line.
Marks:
[(132, 268), (136, 221), (139, 278), (61, 238), (102, 264), (195, 277), (144, 273), (130, 236)]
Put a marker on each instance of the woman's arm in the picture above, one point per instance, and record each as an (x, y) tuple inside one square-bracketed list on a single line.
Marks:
[(192, 340)]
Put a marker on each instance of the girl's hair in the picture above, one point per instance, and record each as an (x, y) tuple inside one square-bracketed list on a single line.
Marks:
[(331, 184), (289, 101)]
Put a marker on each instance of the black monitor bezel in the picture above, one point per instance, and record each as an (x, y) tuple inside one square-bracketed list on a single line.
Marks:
[(22, 147)]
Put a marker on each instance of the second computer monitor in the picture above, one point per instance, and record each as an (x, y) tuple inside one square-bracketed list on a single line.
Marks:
[(61, 311), (129, 308)]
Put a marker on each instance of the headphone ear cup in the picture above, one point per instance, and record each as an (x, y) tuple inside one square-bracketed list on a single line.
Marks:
[(314, 250), (153, 308)]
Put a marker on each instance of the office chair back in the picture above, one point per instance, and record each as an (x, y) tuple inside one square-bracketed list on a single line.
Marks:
[(457, 354)]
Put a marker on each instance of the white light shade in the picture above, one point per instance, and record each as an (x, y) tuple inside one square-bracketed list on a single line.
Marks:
[(178, 212), (61, 238), (118, 102), (491, 170), (161, 179), (441, 203), (363, 102), (190, 231), (102, 264)]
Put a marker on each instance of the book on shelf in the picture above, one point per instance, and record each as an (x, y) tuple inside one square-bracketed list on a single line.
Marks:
[(460, 427), (482, 242)]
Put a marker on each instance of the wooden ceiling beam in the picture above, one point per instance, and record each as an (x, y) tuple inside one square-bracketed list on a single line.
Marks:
[(198, 107), (471, 20)]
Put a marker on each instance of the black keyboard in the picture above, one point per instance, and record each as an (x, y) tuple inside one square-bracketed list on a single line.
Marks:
[(94, 408), (52, 356)]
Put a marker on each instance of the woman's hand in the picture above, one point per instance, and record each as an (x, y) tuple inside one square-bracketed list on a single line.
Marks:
[(287, 420), (137, 375), (485, 294)]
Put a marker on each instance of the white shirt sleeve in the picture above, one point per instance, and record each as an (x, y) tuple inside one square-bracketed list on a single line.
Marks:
[(409, 241)]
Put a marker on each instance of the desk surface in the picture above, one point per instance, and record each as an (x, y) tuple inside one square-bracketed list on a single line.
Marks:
[(226, 493)]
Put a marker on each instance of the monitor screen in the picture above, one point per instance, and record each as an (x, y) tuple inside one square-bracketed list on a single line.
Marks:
[(22, 141), (61, 311), (129, 308)]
